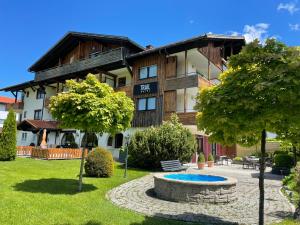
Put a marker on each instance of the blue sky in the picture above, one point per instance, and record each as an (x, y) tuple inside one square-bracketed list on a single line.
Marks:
[(29, 28)]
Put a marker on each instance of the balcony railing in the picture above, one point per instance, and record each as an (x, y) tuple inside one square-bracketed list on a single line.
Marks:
[(93, 61), (16, 106)]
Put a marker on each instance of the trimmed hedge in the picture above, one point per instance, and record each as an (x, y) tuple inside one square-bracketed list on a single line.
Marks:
[(8, 138), (99, 163), (283, 160), (170, 141)]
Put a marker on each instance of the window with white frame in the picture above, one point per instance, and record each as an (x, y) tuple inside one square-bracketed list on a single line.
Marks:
[(186, 99), (148, 72), (145, 104), (24, 136)]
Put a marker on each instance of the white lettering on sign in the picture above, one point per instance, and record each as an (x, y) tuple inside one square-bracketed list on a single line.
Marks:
[(145, 88)]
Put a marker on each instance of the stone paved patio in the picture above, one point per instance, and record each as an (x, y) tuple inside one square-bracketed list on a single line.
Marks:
[(138, 195)]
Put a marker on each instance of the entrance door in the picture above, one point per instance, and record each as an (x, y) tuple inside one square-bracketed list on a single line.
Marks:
[(214, 149)]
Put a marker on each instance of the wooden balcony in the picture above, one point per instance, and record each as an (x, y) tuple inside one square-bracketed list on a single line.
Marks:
[(17, 106), (95, 60), (126, 89)]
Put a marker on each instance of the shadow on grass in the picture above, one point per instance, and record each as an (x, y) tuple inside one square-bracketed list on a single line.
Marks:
[(91, 222), (53, 186), (178, 219)]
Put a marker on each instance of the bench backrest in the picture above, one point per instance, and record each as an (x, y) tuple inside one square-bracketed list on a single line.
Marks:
[(170, 165)]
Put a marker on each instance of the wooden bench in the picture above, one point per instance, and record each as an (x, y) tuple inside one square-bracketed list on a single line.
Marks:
[(172, 165)]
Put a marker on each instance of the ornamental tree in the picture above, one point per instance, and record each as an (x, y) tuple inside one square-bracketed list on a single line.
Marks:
[(258, 93), (8, 138), (92, 106)]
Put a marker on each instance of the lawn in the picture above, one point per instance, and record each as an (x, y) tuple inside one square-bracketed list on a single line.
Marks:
[(45, 192)]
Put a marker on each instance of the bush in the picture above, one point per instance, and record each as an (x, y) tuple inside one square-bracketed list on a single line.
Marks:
[(8, 138), (283, 160), (210, 157), (170, 141), (201, 158), (238, 159), (99, 163)]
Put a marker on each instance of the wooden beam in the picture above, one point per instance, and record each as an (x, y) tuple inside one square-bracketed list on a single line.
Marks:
[(185, 63), (185, 100)]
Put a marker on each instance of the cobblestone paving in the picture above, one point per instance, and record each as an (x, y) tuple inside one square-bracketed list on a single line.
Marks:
[(138, 195)]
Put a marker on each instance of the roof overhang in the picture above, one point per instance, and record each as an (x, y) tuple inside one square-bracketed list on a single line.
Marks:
[(37, 125), (69, 40), (195, 42)]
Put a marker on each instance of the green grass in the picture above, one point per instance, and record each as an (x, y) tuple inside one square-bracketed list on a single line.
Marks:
[(45, 192), (287, 222)]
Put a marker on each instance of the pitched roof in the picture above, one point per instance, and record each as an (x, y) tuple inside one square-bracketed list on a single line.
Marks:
[(35, 125), (6, 100), (72, 36), (191, 43)]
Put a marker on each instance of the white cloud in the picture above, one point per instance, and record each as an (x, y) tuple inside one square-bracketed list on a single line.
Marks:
[(294, 27), (291, 7), (234, 33), (258, 31)]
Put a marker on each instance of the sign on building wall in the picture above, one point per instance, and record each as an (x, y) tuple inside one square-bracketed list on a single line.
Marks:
[(147, 88)]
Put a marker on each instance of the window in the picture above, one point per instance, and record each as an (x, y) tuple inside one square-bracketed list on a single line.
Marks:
[(24, 136), (110, 141), (25, 114), (27, 94), (151, 103), (185, 99), (148, 72), (146, 104), (38, 114), (122, 81), (40, 94), (180, 100)]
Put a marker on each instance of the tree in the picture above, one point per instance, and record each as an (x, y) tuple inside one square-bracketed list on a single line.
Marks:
[(8, 138), (92, 106), (258, 92)]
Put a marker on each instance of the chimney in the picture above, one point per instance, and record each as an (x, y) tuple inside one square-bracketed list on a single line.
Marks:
[(148, 47)]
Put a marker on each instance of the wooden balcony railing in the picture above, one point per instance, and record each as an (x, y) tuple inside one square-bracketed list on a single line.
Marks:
[(126, 89), (16, 106), (93, 61)]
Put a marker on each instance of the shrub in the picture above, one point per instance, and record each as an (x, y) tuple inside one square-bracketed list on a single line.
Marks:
[(99, 163), (283, 160), (201, 158), (210, 157), (8, 138), (168, 142), (238, 159)]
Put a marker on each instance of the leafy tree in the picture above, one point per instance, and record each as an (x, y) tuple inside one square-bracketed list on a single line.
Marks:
[(8, 138), (92, 106), (258, 92), (168, 142)]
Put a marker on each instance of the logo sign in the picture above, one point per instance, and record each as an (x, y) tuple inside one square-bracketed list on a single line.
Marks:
[(147, 88)]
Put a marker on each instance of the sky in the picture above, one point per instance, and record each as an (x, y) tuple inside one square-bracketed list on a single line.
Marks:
[(29, 28)]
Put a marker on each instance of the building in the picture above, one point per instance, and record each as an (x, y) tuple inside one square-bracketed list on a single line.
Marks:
[(161, 81), (5, 104)]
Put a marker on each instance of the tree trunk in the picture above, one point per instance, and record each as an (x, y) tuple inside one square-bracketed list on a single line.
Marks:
[(81, 166), (295, 154), (81, 170), (261, 178)]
